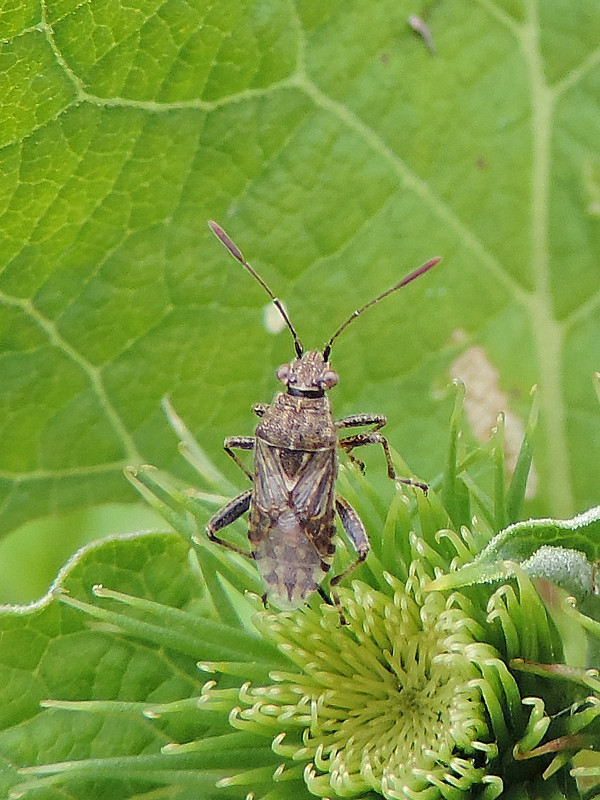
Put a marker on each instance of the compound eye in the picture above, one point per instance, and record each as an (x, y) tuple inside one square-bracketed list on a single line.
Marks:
[(330, 379), (283, 373)]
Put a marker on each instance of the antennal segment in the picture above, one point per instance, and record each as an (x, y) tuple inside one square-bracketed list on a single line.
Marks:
[(413, 275), (236, 253)]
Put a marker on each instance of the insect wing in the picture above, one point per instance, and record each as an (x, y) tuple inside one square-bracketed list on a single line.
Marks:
[(288, 563), (291, 521)]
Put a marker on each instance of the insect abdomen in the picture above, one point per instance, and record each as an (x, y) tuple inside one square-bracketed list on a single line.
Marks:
[(289, 563)]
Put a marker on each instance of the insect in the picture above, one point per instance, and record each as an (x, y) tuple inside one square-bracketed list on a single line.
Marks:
[(292, 502)]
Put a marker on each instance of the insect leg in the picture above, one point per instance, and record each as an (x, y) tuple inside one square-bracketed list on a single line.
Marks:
[(358, 420), (373, 437), (355, 530), (323, 594), (225, 516), (241, 443)]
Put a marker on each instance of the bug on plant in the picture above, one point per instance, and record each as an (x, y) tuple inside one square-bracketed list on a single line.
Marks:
[(292, 502)]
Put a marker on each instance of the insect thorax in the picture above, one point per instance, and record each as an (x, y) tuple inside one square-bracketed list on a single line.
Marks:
[(298, 423)]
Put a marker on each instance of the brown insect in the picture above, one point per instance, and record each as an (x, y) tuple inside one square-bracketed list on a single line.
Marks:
[(292, 502)]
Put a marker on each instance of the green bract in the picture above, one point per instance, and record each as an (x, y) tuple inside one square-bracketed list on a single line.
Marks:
[(429, 691)]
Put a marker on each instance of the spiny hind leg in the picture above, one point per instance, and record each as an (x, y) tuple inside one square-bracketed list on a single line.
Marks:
[(355, 531)]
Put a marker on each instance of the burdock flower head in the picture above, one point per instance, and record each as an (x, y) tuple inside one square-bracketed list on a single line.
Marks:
[(447, 680), (390, 702), (413, 698)]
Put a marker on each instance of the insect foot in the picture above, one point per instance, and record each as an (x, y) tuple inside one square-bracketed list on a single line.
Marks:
[(292, 504)]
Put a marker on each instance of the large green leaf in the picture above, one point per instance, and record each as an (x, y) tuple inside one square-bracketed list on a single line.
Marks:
[(339, 152)]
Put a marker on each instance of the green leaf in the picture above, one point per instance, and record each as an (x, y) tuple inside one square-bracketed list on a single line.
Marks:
[(339, 152), (560, 550), (52, 661)]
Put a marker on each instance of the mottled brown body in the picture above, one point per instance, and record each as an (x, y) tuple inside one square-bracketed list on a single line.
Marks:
[(292, 508), (292, 503)]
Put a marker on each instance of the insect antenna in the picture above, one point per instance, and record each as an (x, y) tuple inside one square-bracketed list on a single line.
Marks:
[(407, 279), (236, 253)]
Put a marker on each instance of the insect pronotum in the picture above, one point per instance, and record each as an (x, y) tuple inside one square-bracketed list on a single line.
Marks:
[(292, 502)]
